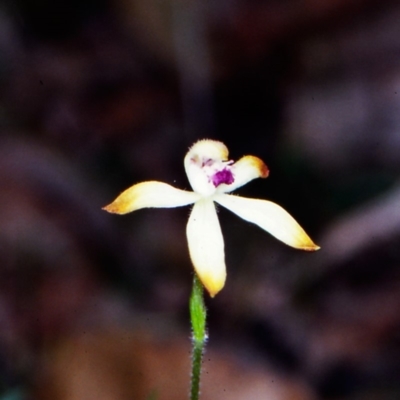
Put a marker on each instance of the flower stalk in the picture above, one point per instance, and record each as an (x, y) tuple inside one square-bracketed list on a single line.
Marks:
[(198, 315)]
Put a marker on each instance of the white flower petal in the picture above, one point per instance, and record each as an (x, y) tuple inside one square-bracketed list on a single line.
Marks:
[(245, 170), (150, 194), (198, 179), (270, 217), (206, 245), (200, 160)]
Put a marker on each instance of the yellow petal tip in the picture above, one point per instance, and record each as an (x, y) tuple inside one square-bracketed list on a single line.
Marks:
[(312, 247), (213, 292), (213, 284), (125, 202), (305, 243), (256, 165), (261, 166), (113, 208)]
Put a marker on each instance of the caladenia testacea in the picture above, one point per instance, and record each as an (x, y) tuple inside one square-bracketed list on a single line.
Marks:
[(212, 177)]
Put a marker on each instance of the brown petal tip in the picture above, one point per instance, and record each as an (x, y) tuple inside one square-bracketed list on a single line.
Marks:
[(258, 164), (264, 171)]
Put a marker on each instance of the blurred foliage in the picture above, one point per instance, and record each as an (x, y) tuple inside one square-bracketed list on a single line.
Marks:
[(96, 95)]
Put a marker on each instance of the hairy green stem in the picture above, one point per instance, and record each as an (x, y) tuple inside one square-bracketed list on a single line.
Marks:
[(198, 315)]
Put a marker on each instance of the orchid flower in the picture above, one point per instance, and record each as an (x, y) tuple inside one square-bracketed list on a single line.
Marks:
[(212, 176)]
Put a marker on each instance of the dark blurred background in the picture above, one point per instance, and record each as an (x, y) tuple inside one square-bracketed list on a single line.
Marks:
[(98, 95)]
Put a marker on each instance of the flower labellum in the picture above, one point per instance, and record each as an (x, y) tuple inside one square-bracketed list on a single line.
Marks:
[(212, 176)]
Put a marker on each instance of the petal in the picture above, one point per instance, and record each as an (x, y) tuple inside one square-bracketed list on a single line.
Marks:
[(206, 246), (200, 157), (245, 170), (270, 217), (150, 194)]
